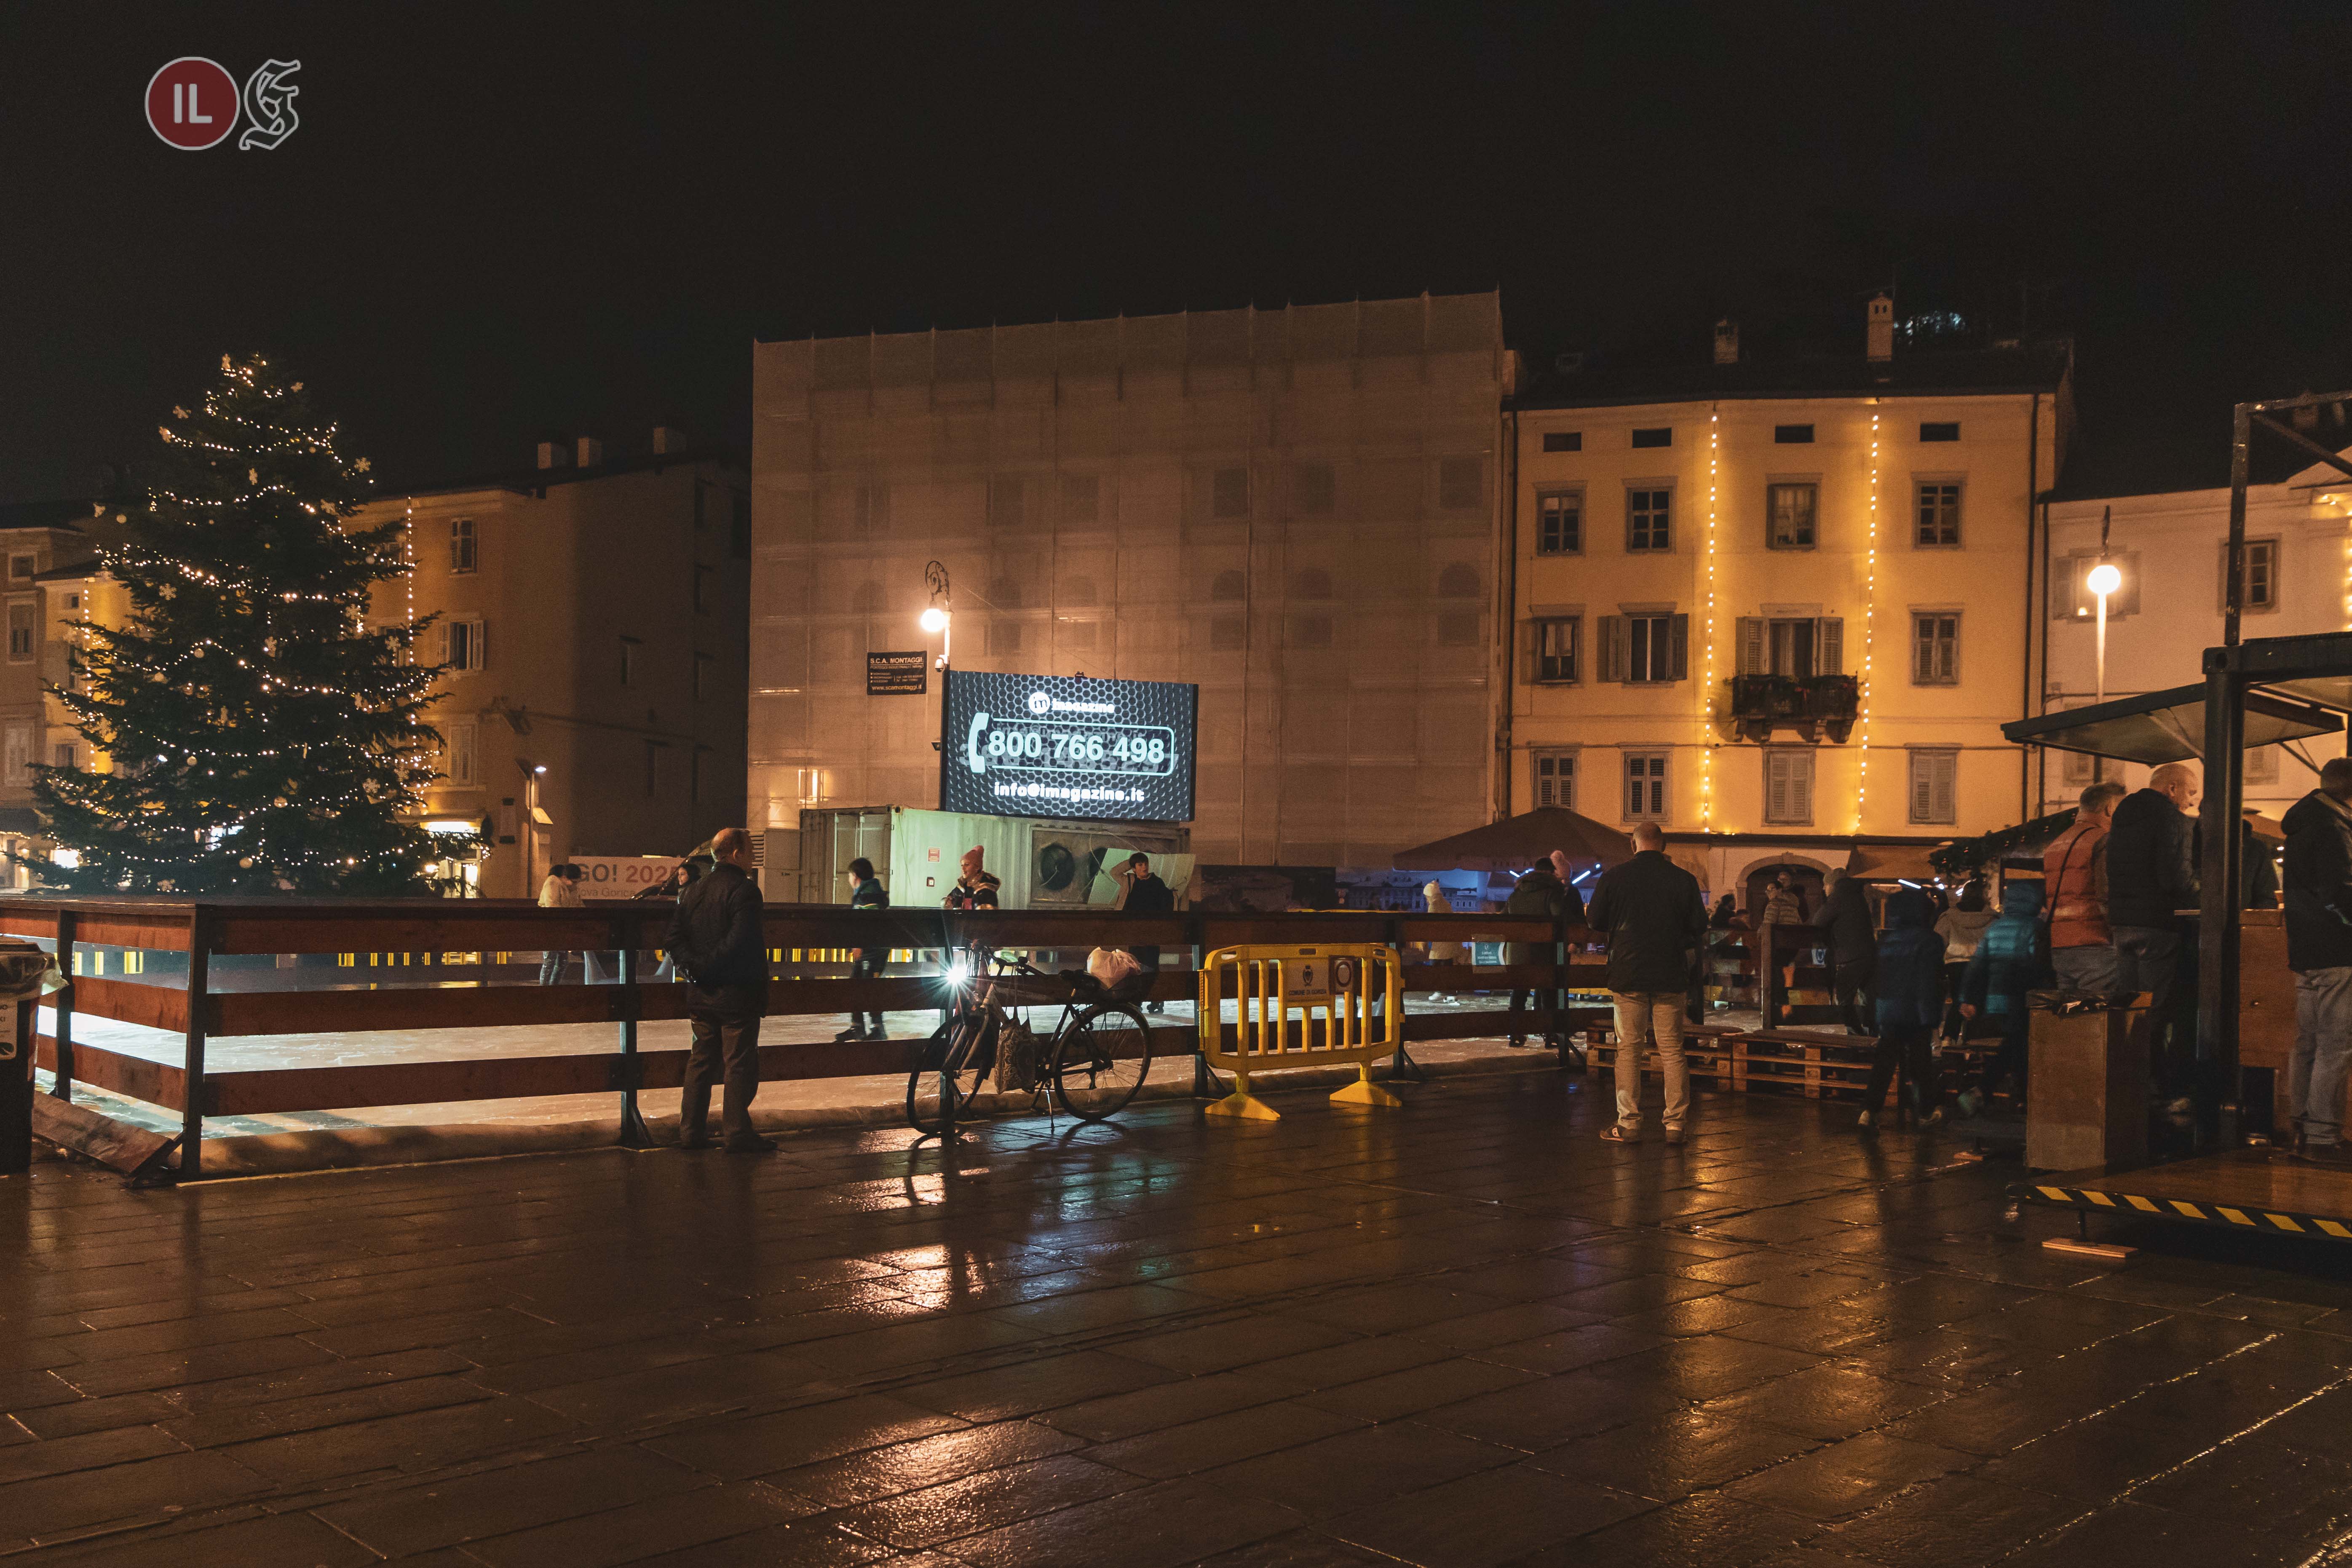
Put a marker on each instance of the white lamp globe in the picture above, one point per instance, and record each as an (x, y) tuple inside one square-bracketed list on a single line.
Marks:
[(2105, 579), (934, 619)]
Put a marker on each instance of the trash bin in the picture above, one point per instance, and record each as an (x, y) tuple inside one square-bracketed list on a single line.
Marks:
[(23, 969), (2088, 1071)]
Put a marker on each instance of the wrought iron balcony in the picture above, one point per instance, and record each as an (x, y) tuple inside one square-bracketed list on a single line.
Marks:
[(1815, 705)]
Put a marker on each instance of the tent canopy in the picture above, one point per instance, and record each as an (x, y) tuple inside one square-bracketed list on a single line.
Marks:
[(1517, 842), (1892, 862), (2167, 726)]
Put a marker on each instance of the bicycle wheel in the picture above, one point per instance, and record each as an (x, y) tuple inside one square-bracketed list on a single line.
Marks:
[(955, 1071), (1101, 1060)]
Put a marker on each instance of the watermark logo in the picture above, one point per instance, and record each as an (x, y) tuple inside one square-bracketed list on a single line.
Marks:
[(269, 105), (193, 103)]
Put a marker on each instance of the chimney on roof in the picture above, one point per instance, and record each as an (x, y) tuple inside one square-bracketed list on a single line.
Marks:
[(1726, 341), (554, 455), (1882, 327), (591, 451), (668, 438)]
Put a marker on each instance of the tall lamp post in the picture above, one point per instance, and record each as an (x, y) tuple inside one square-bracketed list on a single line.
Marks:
[(533, 819), (2104, 580)]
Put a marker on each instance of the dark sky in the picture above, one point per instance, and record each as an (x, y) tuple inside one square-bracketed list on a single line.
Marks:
[(495, 224)]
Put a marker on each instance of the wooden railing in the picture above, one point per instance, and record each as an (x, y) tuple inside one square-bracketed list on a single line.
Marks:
[(193, 1008)]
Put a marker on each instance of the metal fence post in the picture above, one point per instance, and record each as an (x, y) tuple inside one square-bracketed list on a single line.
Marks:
[(64, 1003), (634, 1131), (199, 986)]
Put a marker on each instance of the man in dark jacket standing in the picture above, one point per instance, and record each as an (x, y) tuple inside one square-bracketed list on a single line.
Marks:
[(1853, 946), (1655, 920), (716, 937), (865, 892), (2319, 951), (2152, 874), (1149, 897), (1542, 893)]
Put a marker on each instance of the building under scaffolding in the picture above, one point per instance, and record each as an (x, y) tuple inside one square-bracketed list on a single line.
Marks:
[(1296, 509)]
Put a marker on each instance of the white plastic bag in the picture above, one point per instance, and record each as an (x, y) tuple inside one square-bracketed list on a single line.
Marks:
[(1110, 965)]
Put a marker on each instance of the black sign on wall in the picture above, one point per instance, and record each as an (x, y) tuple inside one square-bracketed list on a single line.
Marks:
[(1063, 745), (897, 673)]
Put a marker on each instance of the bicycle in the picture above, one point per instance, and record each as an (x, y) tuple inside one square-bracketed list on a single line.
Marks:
[(1098, 1057)]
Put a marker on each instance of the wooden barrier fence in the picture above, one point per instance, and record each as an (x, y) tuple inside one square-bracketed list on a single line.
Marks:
[(203, 929)]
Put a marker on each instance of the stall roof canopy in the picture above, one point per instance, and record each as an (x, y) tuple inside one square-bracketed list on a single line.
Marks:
[(2166, 726), (1517, 842)]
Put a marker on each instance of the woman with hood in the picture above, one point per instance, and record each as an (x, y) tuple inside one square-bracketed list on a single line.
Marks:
[(1908, 987), (2011, 959), (1544, 893), (1852, 943), (1961, 927)]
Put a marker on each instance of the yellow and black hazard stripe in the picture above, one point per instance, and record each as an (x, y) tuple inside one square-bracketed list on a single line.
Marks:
[(2317, 1226)]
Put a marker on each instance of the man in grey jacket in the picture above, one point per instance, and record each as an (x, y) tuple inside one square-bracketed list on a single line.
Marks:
[(1655, 918)]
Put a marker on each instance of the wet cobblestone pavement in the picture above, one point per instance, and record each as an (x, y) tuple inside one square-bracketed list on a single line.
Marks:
[(1467, 1332)]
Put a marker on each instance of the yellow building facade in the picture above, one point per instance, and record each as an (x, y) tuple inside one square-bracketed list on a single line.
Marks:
[(1664, 545)]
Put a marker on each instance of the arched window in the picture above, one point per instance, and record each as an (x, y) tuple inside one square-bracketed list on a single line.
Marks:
[(1313, 583), (1005, 593), (1078, 590), (1228, 585), (1459, 581)]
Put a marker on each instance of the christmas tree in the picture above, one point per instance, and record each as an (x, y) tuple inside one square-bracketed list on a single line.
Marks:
[(259, 736)]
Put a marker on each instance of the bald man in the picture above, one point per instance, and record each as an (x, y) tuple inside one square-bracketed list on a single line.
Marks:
[(2151, 876), (716, 939), (1655, 920)]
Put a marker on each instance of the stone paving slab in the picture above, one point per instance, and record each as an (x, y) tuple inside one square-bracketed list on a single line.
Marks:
[(1467, 1332)]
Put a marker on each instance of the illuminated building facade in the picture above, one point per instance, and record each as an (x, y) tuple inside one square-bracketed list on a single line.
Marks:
[(1777, 607)]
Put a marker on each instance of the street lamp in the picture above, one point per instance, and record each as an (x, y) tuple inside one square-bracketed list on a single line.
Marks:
[(936, 617), (2103, 581)]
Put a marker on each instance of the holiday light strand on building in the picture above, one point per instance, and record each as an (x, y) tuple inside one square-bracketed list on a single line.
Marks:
[(1707, 689), (1869, 635)]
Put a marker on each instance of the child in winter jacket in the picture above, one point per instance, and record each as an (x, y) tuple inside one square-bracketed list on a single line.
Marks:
[(2012, 958), (1909, 983)]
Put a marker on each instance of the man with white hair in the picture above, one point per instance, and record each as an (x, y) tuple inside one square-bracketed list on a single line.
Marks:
[(1655, 917), (2152, 876)]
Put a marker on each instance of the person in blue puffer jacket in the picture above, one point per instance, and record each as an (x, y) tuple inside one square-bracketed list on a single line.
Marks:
[(2011, 959), (1909, 985)]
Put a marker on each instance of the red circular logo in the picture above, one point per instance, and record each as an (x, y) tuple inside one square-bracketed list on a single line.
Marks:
[(192, 104)]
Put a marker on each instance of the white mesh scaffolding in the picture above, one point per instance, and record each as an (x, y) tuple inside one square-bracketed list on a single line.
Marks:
[(1297, 510)]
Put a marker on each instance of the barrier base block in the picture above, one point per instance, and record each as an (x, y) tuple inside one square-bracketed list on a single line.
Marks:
[(1244, 1106), (1364, 1091)]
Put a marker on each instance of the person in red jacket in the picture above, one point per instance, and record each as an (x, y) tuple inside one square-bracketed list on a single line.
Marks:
[(2075, 875)]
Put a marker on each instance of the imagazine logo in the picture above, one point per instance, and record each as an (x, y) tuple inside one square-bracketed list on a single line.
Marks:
[(1039, 702), (193, 103)]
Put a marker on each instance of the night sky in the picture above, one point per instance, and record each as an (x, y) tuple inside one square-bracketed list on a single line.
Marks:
[(495, 225)]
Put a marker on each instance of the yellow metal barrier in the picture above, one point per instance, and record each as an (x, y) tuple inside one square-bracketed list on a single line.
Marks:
[(1330, 989)]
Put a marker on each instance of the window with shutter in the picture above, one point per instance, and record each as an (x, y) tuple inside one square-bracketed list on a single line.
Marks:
[(1657, 649), (1829, 645), (1645, 786), (1936, 649), (1678, 662), (1556, 778), (1934, 786), (1613, 647), (1789, 787)]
